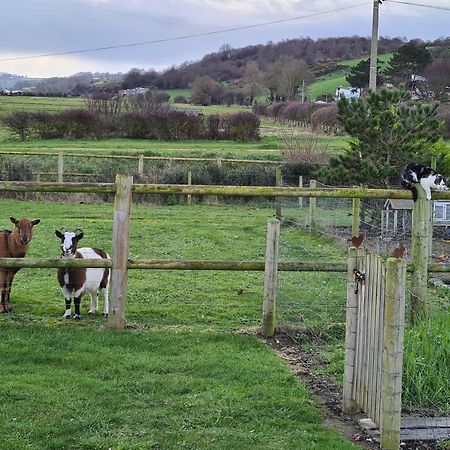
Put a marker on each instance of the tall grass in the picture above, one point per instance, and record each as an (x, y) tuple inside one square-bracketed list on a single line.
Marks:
[(426, 364)]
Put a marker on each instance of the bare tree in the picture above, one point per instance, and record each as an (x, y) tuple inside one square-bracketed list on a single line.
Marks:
[(150, 101), (252, 79), (105, 104), (286, 76), (438, 78), (202, 90)]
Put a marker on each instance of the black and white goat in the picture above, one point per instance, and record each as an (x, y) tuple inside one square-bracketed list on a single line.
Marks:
[(75, 282)]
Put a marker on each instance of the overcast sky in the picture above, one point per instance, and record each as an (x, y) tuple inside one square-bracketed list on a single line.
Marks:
[(36, 27)]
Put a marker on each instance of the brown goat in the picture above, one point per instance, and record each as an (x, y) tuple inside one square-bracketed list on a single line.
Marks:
[(13, 244)]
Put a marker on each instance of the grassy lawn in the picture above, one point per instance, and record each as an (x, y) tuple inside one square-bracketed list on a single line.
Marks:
[(179, 377), (84, 389)]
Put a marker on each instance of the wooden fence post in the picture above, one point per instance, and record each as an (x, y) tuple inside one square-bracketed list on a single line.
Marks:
[(278, 199), (60, 167), (189, 182), (419, 254), (356, 212), (430, 235), (348, 398), (312, 207), (392, 366), (141, 166), (300, 185), (270, 278), (120, 249)]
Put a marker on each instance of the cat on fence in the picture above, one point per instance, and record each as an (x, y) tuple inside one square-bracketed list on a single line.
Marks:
[(427, 177)]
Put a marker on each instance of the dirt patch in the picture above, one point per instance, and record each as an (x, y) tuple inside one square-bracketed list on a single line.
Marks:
[(328, 394), (306, 365)]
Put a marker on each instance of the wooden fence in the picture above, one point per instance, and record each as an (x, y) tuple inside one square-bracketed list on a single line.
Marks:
[(140, 159), (120, 263), (374, 341)]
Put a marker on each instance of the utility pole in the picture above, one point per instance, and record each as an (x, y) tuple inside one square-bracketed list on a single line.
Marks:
[(374, 47)]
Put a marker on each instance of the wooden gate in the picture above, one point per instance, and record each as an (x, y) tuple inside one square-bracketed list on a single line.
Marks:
[(374, 341)]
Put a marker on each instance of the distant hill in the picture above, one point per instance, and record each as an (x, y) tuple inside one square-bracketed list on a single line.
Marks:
[(228, 64), (8, 80)]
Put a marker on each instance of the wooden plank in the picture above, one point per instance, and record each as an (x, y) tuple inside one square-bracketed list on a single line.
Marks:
[(241, 191), (270, 278), (348, 403), (425, 422), (372, 338), (312, 207), (120, 251), (356, 212), (366, 331), (394, 324), (60, 167), (360, 336), (419, 255), (428, 429), (380, 324), (424, 434), (278, 182)]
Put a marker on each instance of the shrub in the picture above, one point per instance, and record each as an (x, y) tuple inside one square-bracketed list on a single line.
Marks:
[(324, 116), (14, 169), (242, 126), (19, 122), (78, 124), (273, 110), (182, 125), (213, 125), (133, 125), (43, 124), (298, 111), (260, 109)]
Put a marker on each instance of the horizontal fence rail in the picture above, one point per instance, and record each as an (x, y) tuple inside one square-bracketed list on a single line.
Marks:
[(150, 158), (203, 264), (232, 191)]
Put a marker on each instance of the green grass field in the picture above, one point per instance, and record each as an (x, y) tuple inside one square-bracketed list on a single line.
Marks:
[(51, 104), (329, 83), (180, 377), (69, 388)]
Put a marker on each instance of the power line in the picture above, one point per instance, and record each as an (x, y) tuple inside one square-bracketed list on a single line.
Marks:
[(189, 36), (443, 8)]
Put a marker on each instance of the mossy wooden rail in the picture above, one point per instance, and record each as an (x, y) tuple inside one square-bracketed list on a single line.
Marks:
[(231, 191), (199, 190)]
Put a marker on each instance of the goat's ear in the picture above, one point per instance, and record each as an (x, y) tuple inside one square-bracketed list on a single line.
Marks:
[(35, 222), (59, 234), (13, 220), (79, 236)]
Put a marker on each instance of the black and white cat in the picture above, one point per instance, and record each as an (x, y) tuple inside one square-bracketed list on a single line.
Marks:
[(427, 177)]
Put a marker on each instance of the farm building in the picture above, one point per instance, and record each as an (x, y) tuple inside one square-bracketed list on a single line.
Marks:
[(397, 215), (348, 92)]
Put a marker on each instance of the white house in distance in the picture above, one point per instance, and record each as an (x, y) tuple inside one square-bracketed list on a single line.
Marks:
[(348, 92)]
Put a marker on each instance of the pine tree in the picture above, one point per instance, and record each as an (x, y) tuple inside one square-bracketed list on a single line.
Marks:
[(386, 135), (359, 75), (410, 59)]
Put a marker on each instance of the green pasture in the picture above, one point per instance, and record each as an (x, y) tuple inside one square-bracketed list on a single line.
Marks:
[(68, 388), (10, 104), (189, 371), (328, 83), (186, 93)]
